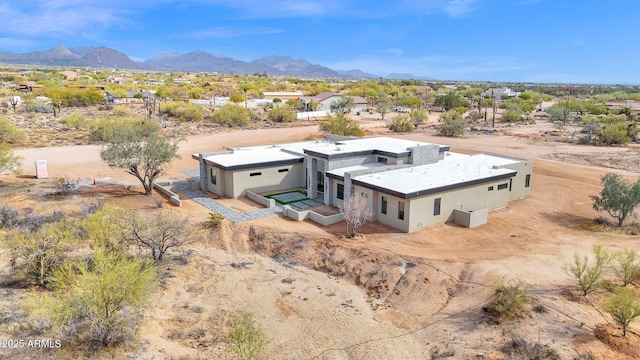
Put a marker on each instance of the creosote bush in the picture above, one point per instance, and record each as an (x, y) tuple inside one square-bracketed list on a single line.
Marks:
[(401, 123), (521, 349), (246, 340), (509, 301)]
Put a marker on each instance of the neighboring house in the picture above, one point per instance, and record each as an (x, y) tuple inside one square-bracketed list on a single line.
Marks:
[(283, 95), (325, 99), (70, 75), (634, 106), (118, 80), (499, 93), (408, 184)]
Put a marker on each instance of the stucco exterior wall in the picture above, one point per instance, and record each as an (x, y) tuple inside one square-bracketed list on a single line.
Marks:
[(471, 198), (268, 179), (518, 188), (235, 183)]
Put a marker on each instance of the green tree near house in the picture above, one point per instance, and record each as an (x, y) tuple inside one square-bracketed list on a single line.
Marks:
[(343, 105), (618, 197), (138, 147)]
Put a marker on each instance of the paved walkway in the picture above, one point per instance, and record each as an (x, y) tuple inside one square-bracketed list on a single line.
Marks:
[(233, 216)]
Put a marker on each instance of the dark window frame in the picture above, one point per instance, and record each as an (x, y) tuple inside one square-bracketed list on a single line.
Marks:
[(383, 205), (527, 180), (213, 176), (437, 204), (400, 210), (340, 191), (503, 186), (283, 170), (259, 173)]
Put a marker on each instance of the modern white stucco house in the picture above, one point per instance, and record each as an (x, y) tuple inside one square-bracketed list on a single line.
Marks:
[(408, 184)]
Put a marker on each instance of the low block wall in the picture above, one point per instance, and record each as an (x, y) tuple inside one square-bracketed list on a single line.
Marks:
[(261, 199), (312, 215), (165, 189), (470, 218)]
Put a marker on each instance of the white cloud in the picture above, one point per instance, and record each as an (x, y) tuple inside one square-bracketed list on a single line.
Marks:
[(456, 8), (453, 8)]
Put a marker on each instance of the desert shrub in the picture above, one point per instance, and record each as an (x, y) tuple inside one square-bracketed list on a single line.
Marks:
[(419, 116), (10, 133), (118, 285), (182, 111), (401, 123), (509, 301), (623, 306), (106, 128), (585, 356), (341, 124), (461, 109), (76, 121), (281, 113), (9, 216), (38, 253), (452, 124), (215, 219), (231, 114), (626, 266), (121, 111), (8, 160), (105, 228), (512, 115), (589, 273), (520, 349), (616, 133), (64, 185), (32, 221), (158, 232), (246, 340)]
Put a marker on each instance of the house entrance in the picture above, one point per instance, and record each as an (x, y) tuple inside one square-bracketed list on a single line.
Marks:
[(320, 182)]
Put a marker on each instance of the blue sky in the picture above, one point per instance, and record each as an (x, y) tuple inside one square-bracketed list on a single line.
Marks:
[(587, 41)]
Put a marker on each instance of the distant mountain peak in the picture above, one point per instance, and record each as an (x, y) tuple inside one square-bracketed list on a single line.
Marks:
[(196, 61)]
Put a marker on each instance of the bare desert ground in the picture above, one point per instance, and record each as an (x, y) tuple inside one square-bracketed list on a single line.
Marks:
[(382, 295)]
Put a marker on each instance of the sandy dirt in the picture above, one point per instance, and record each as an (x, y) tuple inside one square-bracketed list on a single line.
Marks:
[(384, 294)]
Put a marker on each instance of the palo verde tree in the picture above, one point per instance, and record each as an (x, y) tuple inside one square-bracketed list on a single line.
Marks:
[(623, 306), (344, 105), (138, 147), (98, 295), (341, 124), (617, 197)]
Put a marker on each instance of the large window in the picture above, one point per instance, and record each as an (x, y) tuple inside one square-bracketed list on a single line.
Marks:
[(527, 180), (503, 186), (436, 206), (383, 208), (382, 159), (401, 210), (341, 191), (213, 176)]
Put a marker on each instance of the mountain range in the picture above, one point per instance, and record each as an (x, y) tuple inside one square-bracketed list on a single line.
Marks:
[(103, 57)]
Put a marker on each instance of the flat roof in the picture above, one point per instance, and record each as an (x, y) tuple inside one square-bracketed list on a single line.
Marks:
[(441, 176), (341, 171), (251, 157), (385, 145)]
